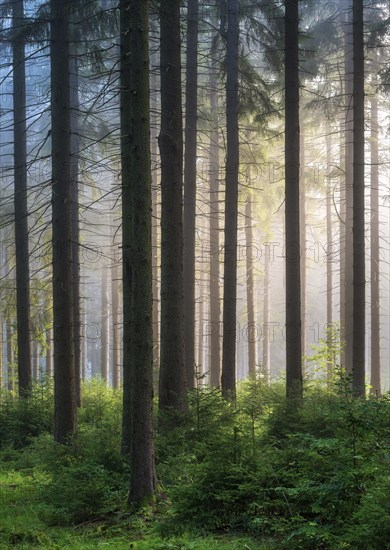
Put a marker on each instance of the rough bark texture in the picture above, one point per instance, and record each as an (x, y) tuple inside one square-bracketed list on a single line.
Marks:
[(64, 374), (20, 202), (250, 303), (347, 242), (303, 243), (137, 251), (189, 203), (228, 379), (172, 382), (292, 225), (375, 257), (154, 121), (215, 306), (75, 147), (359, 282)]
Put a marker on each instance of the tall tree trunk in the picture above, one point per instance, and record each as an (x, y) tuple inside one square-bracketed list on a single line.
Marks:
[(20, 202), (267, 317), (137, 250), (172, 382), (105, 329), (215, 305), (292, 230), (329, 259), (154, 108), (251, 333), (303, 244), (116, 341), (201, 333), (359, 283), (231, 205), (64, 371), (375, 258), (189, 205), (347, 321), (75, 148)]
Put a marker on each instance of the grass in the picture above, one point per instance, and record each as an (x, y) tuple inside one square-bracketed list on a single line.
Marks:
[(22, 525)]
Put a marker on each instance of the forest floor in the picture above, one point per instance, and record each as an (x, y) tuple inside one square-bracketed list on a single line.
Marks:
[(22, 527)]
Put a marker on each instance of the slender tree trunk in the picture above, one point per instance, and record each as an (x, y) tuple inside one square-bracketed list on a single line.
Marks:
[(303, 244), (75, 148), (64, 371), (375, 258), (201, 334), (137, 250), (267, 317), (342, 229), (359, 283), (172, 382), (347, 321), (189, 205), (292, 230), (20, 202), (105, 329), (35, 361), (329, 259), (116, 340), (250, 289), (215, 305), (231, 205), (154, 107)]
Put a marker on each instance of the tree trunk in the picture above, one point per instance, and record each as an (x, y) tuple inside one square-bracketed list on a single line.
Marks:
[(329, 259), (64, 372), (303, 245), (105, 329), (292, 229), (267, 317), (359, 283), (75, 148), (154, 108), (172, 382), (251, 332), (347, 321), (215, 305), (375, 257), (116, 340), (189, 205), (49, 352), (231, 205), (20, 202), (137, 250)]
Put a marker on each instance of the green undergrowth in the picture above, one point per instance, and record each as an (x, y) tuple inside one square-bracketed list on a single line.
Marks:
[(256, 474)]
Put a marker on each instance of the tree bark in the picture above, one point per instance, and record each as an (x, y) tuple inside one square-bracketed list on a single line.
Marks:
[(251, 332), (116, 341), (359, 283), (292, 226), (64, 370), (375, 257), (215, 305), (137, 250), (189, 204), (303, 244), (231, 205), (172, 381), (75, 149), (20, 202), (329, 260)]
